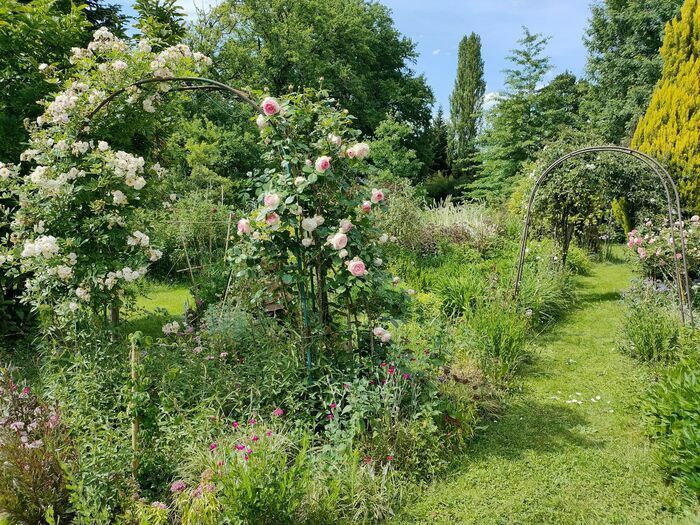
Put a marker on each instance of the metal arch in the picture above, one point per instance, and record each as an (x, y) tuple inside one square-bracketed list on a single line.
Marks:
[(681, 274), (204, 84)]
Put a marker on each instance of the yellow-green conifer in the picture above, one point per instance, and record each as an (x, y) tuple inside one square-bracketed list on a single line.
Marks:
[(670, 128)]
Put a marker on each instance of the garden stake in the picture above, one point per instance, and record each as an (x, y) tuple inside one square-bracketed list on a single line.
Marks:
[(135, 423)]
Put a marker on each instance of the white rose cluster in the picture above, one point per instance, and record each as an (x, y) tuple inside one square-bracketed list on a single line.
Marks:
[(138, 239), (130, 167), (44, 245)]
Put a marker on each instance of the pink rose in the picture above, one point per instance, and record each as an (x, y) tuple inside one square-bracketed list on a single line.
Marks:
[(366, 207), (338, 241), (323, 163), (345, 226), (272, 219), (377, 196), (642, 253), (350, 153), (270, 106), (244, 227), (361, 150), (271, 200), (357, 268)]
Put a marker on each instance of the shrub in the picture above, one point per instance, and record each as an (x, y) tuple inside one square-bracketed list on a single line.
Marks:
[(652, 330), (254, 474), (33, 448), (673, 414)]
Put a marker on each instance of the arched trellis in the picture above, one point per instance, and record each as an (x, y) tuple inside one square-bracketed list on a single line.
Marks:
[(200, 84), (674, 207)]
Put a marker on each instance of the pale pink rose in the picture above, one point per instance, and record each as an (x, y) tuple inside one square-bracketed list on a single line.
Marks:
[(308, 162), (377, 196), (366, 207), (244, 227), (338, 241), (323, 163), (695, 218), (272, 219), (309, 224), (345, 225), (642, 253), (350, 153), (361, 150), (386, 337), (357, 268), (270, 106), (271, 200), (261, 122), (638, 240), (343, 254), (334, 139), (306, 242), (378, 331)]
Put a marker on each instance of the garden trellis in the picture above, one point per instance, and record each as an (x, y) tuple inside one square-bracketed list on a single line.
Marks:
[(674, 208)]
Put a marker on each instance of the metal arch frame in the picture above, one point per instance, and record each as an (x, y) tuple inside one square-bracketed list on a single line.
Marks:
[(201, 84), (681, 274)]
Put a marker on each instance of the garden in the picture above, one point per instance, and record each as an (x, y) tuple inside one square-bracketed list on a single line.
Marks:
[(248, 280)]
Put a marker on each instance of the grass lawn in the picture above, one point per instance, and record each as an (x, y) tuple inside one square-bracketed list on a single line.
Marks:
[(159, 299), (569, 447)]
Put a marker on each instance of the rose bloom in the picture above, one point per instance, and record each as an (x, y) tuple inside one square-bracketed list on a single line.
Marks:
[(361, 150), (338, 241), (306, 242), (345, 226), (271, 200), (378, 331), (334, 139), (386, 337), (377, 196), (357, 268), (270, 106), (366, 207), (343, 254), (272, 219), (299, 181), (261, 122), (323, 163), (309, 224), (244, 227)]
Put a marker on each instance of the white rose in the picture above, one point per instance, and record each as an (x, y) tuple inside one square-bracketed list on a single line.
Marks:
[(309, 224)]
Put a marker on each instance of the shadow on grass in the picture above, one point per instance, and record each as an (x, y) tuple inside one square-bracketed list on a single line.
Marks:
[(533, 426)]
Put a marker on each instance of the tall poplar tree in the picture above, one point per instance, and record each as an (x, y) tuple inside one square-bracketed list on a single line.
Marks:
[(670, 129), (466, 103)]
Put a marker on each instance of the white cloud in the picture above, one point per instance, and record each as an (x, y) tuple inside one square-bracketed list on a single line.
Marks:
[(436, 51), (190, 6), (490, 100)]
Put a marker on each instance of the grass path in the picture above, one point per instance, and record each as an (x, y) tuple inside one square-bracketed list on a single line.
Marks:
[(549, 461)]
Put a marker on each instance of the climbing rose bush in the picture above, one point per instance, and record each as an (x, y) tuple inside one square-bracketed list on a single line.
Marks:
[(313, 236), (75, 230), (653, 246)]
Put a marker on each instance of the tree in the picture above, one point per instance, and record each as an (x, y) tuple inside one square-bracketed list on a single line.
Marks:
[(351, 45), (161, 21), (466, 103), (514, 125), (35, 38), (623, 42), (391, 152), (439, 136), (670, 129)]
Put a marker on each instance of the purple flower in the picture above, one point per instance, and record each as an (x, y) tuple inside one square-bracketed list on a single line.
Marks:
[(252, 422), (234, 424), (277, 412), (159, 505), (177, 486), (213, 447)]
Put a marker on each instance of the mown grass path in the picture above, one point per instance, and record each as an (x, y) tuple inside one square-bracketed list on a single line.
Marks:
[(546, 460)]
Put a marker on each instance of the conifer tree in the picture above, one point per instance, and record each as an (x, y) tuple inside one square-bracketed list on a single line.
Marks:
[(670, 128), (439, 137), (466, 103)]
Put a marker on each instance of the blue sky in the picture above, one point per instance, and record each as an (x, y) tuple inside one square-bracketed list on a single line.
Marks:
[(437, 26)]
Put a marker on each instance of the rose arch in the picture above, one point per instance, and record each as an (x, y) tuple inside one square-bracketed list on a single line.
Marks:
[(674, 208)]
